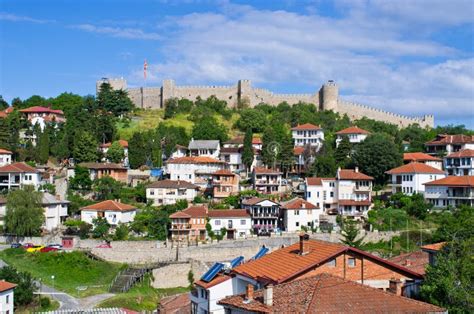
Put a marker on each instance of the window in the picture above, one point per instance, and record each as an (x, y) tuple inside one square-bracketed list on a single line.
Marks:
[(218, 222), (7, 299), (243, 222), (308, 194), (297, 224), (152, 192), (297, 212), (332, 263), (331, 194), (351, 262)]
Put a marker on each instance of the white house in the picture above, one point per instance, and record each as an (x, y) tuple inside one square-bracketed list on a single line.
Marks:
[(322, 193), (55, 211), (205, 296), (460, 163), (167, 192), (426, 159), (410, 178), (298, 213), (113, 211), (104, 148), (18, 174), (265, 214), (444, 143), (233, 157), (43, 115), (209, 148), (179, 151), (236, 221), (354, 134), (267, 181), (450, 191), (6, 297), (308, 134), (5, 157), (196, 170)]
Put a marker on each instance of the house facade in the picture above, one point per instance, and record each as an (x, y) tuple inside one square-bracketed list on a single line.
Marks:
[(354, 134), (167, 192), (308, 133), (55, 211), (196, 170), (265, 214), (189, 224), (7, 291), (5, 157), (43, 115), (99, 170), (447, 144), (460, 163), (224, 183), (237, 222), (410, 178), (233, 157), (322, 193), (451, 191), (423, 158), (207, 148), (18, 174), (104, 148), (115, 212), (267, 181), (299, 214)]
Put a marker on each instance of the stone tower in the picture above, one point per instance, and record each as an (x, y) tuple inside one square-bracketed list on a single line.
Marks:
[(167, 91), (328, 95), (115, 83), (244, 90)]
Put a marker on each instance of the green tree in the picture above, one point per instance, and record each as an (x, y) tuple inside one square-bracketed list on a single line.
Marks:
[(14, 124), (351, 234), (114, 101), (43, 146), (106, 188), (270, 147), (85, 148), (209, 129), (376, 155), (81, 181), (171, 108), (100, 228), (115, 153), (153, 222), (253, 119), (247, 153), (417, 207), (343, 152), (3, 103), (35, 100), (4, 134), (137, 150), (24, 215), (121, 232), (26, 285)]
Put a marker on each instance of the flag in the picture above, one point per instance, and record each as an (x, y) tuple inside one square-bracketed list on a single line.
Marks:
[(145, 67)]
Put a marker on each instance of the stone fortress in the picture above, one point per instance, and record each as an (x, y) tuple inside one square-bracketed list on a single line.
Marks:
[(327, 98)]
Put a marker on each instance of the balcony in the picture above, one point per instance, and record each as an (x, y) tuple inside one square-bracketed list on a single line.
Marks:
[(267, 182), (265, 215), (180, 226)]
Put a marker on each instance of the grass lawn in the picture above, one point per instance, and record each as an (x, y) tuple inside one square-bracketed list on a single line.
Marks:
[(142, 297), (70, 270)]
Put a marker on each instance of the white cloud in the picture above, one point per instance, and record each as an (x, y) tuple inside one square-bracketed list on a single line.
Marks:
[(118, 32), (4, 16)]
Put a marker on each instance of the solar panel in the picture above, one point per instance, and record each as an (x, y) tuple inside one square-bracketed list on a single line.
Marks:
[(236, 261), (212, 272), (260, 253)]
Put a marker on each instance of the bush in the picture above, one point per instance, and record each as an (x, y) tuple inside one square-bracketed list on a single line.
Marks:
[(45, 302)]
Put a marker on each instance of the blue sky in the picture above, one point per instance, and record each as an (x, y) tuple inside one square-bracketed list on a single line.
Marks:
[(408, 56)]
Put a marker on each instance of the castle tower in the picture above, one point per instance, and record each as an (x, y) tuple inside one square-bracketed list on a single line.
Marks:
[(167, 91), (115, 83), (244, 91), (329, 95)]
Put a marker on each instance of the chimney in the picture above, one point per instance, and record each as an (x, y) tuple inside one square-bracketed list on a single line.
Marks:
[(249, 293), (268, 295), (58, 197), (407, 262), (395, 286), (303, 205), (356, 169), (304, 244)]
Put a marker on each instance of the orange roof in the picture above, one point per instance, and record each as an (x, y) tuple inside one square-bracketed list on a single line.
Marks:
[(228, 213), (217, 280), (353, 130), (180, 214), (317, 181), (298, 150), (191, 212), (5, 285), (122, 143), (453, 181), (256, 140), (195, 160), (434, 247), (416, 261), (178, 303), (252, 201), (419, 157), (262, 170), (444, 139), (306, 126), (298, 203), (18, 167), (415, 167), (351, 174), (325, 293), (109, 205), (39, 109), (462, 153), (4, 151), (224, 172)]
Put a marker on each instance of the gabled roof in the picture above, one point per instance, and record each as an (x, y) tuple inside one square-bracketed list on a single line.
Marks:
[(306, 126), (462, 153), (39, 109), (231, 150), (122, 143), (224, 172), (50, 199), (298, 203), (191, 212), (18, 167), (298, 150), (5, 285), (217, 280), (172, 184), (4, 151), (203, 144), (228, 213), (453, 181), (419, 157), (255, 201), (325, 293), (415, 167), (109, 205), (317, 181), (262, 170), (444, 139), (195, 160), (353, 130), (352, 174), (433, 247), (416, 261), (176, 304), (102, 165)]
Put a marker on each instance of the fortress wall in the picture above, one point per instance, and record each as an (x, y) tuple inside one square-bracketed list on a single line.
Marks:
[(226, 93), (357, 111), (259, 95), (146, 97)]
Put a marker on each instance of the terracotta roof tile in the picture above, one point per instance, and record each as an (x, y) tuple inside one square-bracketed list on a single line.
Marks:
[(298, 203), (353, 130), (415, 167), (172, 184), (419, 157), (228, 213), (253, 200), (18, 167), (39, 109), (317, 181), (306, 126), (256, 141), (325, 293), (462, 153), (453, 181), (298, 150), (443, 139), (416, 261), (109, 205), (175, 304), (122, 143), (191, 212), (180, 214), (262, 170), (195, 160), (434, 247), (5, 285), (351, 174), (230, 150), (4, 151), (224, 172), (102, 165)]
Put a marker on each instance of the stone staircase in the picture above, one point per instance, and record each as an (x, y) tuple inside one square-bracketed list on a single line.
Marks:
[(126, 279)]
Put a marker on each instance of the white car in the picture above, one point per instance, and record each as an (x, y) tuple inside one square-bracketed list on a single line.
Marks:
[(56, 246)]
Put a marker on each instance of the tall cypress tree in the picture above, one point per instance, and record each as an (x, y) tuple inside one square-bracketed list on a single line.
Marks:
[(343, 152), (137, 150), (270, 147), (247, 154), (43, 146)]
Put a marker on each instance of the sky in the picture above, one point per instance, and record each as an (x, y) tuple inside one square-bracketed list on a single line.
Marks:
[(411, 57)]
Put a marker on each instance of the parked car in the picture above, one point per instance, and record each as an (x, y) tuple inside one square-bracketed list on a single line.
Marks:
[(104, 246), (27, 245), (15, 245), (48, 249), (35, 248), (56, 246)]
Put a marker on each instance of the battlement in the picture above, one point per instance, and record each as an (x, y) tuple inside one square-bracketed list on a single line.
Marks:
[(205, 87)]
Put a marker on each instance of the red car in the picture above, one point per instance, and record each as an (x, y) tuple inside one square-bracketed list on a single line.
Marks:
[(104, 246), (48, 249), (27, 245)]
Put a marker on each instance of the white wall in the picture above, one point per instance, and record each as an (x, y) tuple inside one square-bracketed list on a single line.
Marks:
[(53, 214), (414, 182), (4, 305), (302, 217), (161, 196), (5, 159), (187, 172), (303, 137), (113, 217), (241, 230)]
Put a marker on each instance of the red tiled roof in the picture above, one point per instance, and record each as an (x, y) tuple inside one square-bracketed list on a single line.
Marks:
[(217, 280), (306, 126), (252, 201), (172, 184), (224, 213), (353, 130), (317, 181), (353, 203), (325, 293), (224, 172), (191, 212), (298, 150), (298, 203), (5, 285), (453, 181), (415, 167), (195, 160), (4, 151), (262, 170), (180, 214), (230, 150), (462, 153), (18, 167), (175, 304), (109, 205), (122, 143), (3, 115), (416, 261), (256, 141), (39, 109), (351, 174), (443, 139), (102, 165), (434, 247), (419, 157)]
